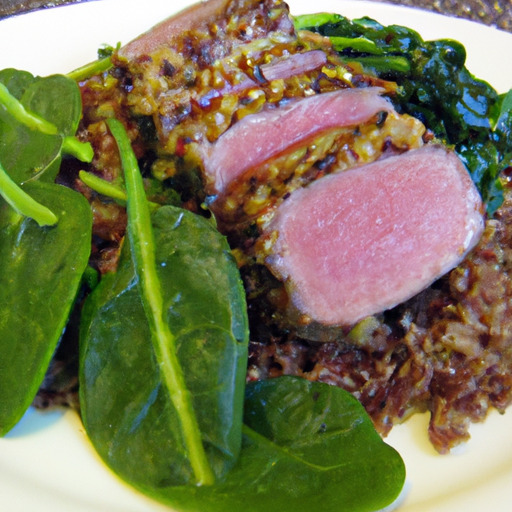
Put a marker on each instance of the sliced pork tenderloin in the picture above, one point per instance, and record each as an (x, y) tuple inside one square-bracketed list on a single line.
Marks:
[(271, 132), (295, 64), (359, 242), (265, 156), (206, 16)]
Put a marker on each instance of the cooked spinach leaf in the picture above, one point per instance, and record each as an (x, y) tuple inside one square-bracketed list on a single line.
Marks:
[(307, 446), (165, 339), (39, 279), (503, 126), (435, 86)]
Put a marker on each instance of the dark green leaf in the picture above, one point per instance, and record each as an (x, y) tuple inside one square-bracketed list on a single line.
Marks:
[(307, 447), (126, 409), (16, 81), (483, 163), (24, 203), (57, 99), (39, 278), (22, 165), (503, 125), (163, 338)]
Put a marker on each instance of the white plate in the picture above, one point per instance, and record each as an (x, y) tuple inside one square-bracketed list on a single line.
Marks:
[(46, 461)]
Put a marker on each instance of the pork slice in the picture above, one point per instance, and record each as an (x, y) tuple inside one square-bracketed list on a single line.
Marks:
[(211, 18), (358, 242), (259, 137), (198, 15), (295, 64)]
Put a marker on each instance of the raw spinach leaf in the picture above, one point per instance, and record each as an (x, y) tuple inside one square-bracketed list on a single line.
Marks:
[(41, 114), (307, 446), (141, 239), (22, 166), (125, 405), (16, 81), (39, 278), (24, 203), (45, 96)]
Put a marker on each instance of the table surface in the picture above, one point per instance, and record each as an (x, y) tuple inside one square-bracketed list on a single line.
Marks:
[(497, 13)]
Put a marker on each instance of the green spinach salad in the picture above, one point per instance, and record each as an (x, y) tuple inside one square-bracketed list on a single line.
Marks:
[(164, 331)]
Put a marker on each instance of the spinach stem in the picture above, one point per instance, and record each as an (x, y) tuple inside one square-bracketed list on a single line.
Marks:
[(384, 63), (81, 150), (141, 241), (23, 203), (305, 21), (18, 111), (359, 44), (108, 189), (103, 187), (93, 68), (70, 144)]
